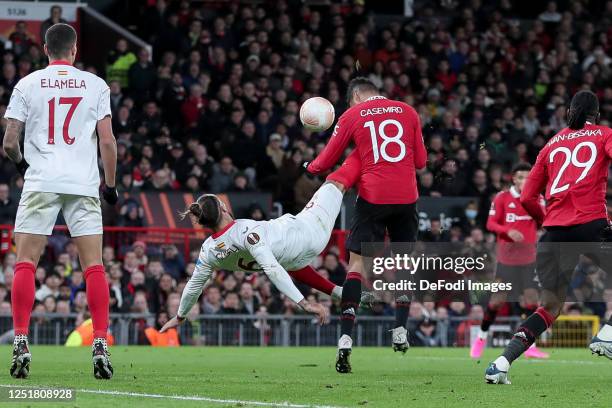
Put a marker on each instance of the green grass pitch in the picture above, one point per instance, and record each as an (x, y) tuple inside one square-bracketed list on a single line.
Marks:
[(250, 376)]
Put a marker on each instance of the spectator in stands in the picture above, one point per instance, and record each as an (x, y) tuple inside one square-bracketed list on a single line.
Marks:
[(275, 151), (193, 106), (223, 175), (53, 280), (425, 335), (248, 298), (337, 271), (212, 302), (8, 207), (130, 265), (115, 275), (119, 62), (142, 77), (140, 251), (20, 38), (108, 255), (55, 17), (76, 283), (232, 305), (173, 261)]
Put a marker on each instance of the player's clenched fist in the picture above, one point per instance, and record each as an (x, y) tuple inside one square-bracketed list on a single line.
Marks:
[(110, 194)]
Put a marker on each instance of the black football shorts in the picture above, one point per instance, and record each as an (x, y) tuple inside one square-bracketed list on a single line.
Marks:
[(559, 251), (371, 221), (521, 276)]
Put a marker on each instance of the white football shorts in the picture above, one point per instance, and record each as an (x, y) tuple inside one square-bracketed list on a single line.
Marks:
[(37, 213), (320, 215)]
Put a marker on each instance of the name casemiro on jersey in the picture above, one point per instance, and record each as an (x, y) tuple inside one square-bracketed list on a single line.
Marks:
[(441, 284)]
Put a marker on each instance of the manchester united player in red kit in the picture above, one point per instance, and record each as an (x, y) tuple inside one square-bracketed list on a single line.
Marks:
[(389, 149), (516, 234), (572, 168)]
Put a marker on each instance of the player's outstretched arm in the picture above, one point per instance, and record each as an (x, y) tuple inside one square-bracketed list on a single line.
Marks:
[(334, 148), (12, 135), (256, 246), (193, 289)]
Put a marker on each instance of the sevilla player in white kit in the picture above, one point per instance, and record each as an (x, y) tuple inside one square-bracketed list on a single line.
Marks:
[(288, 243), (62, 109)]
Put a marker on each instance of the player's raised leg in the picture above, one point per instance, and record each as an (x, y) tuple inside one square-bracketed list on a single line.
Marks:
[(308, 276)]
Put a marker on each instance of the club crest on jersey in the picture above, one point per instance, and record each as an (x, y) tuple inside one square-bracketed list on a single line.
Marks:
[(253, 238)]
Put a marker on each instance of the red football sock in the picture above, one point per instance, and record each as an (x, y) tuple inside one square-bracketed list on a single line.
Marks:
[(348, 173), (310, 277), (97, 299), (22, 296)]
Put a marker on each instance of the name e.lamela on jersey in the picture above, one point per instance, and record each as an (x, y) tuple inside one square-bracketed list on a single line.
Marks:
[(68, 83)]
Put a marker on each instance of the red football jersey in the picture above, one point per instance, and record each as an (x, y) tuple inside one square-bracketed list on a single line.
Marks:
[(573, 167), (506, 214), (388, 138)]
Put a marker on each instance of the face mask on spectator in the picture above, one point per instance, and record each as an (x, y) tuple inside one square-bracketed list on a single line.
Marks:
[(471, 214)]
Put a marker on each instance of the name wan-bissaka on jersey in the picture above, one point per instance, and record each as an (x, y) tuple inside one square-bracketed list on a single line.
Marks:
[(573, 135)]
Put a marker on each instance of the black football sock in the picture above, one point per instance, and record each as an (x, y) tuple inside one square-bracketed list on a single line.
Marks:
[(402, 307), (488, 318), (351, 293), (527, 334)]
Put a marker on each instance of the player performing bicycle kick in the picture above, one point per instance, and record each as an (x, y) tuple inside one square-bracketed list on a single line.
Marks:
[(282, 248)]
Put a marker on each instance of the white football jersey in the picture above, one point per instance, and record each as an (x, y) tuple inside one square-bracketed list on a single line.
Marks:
[(284, 237), (273, 247), (60, 106), (287, 243)]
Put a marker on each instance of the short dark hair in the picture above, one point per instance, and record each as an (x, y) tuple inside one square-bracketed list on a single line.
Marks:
[(59, 39), (521, 167), (359, 84)]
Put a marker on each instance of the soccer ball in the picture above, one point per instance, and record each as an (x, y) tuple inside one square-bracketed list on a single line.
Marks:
[(317, 114)]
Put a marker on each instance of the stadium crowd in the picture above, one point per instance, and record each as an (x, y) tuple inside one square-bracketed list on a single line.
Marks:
[(215, 109)]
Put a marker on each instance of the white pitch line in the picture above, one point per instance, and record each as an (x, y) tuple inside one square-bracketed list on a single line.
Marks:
[(524, 360), (179, 397)]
